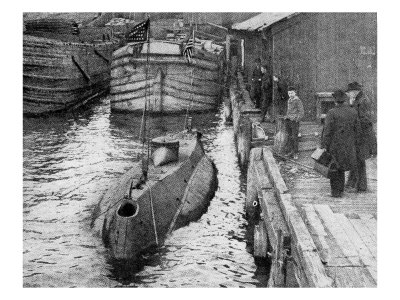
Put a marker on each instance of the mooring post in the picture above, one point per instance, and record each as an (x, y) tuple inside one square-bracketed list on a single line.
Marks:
[(281, 136), (244, 141)]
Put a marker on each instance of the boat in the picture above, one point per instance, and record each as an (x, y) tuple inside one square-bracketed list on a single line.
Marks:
[(139, 212), (64, 66), (174, 84)]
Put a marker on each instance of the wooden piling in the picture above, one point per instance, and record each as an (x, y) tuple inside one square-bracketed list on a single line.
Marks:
[(281, 136), (244, 114)]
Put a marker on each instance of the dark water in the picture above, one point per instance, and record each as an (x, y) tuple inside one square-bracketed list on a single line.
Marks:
[(70, 161)]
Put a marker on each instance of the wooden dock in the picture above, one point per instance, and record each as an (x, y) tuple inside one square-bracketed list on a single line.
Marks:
[(311, 239), (317, 240)]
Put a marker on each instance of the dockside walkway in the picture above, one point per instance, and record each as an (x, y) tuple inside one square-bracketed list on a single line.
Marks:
[(344, 230), (311, 238)]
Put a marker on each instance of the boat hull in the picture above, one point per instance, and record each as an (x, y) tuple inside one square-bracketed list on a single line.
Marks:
[(173, 195), (173, 85), (58, 75)]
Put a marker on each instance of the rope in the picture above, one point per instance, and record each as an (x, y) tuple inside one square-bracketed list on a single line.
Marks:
[(144, 134), (152, 214)]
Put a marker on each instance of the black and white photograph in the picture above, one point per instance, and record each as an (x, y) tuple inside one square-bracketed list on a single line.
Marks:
[(180, 147)]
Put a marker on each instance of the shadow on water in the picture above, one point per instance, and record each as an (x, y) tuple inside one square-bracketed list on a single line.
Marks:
[(126, 272)]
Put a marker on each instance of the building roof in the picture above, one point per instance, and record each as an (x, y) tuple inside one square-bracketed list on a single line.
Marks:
[(261, 21), (78, 17)]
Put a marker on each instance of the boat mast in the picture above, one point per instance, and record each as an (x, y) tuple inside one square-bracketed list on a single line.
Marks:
[(145, 158), (188, 120)]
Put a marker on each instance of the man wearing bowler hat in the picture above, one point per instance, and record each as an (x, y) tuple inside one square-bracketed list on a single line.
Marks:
[(366, 147), (339, 138)]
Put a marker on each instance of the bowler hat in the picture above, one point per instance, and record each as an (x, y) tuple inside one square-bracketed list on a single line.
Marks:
[(291, 88), (354, 86), (339, 96)]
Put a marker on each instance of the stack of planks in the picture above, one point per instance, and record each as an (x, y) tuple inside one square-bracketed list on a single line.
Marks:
[(346, 245)]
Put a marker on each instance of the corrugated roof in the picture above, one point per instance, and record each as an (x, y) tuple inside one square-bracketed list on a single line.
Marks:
[(260, 21)]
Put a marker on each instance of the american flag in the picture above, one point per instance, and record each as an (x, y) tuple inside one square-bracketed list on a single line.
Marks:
[(139, 33), (188, 49)]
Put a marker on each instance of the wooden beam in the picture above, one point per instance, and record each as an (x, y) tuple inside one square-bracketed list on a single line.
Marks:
[(329, 249), (262, 175), (210, 35), (273, 216), (318, 233), (80, 68), (102, 56), (299, 272), (218, 26), (260, 240), (369, 222), (347, 277), (273, 171), (339, 235), (365, 235), (302, 241), (365, 255)]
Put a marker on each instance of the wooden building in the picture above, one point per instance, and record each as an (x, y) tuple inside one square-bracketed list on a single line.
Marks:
[(316, 52), (248, 37)]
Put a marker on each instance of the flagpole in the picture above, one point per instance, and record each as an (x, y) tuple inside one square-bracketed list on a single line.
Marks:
[(191, 87), (147, 72)]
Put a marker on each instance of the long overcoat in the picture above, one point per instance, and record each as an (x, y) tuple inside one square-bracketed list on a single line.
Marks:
[(266, 89), (367, 145), (282, 99), (340, 135), (256, 82)]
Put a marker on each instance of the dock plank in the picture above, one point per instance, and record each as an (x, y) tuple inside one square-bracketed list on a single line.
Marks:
[(273, 217), (366, 256), (370, 223), (273, 171), (298, 271), (316, 276), (262, 175), (318, 233), (343, 231), (340, 237), (303, 243), (351, 277), (365, 235), (301, 240), (331, 252)]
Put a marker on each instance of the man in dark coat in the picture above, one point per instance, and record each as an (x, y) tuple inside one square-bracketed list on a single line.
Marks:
[(256, 83), (339, 138), (282, 95), (357, 181), (266, 92)]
